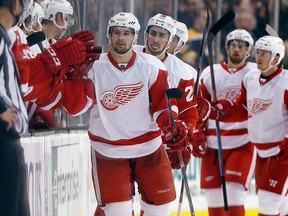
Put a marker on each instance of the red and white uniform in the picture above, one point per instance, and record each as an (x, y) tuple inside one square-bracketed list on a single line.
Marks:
[(37, 87), (233, 126), (238, 153), (137, 92), (267, 109), (267, 102), (123, 131)]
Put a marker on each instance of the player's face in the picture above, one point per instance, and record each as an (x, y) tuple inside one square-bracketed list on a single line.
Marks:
[(237, 51), (121, 39), (173, 44), (263, 58), (157, 39)]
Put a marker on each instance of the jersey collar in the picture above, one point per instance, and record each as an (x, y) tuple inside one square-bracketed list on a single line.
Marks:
[(129, 64)]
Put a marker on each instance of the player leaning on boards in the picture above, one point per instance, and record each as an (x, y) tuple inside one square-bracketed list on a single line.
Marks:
[(13, 119), (125, 125), (238, 152), (265, 94)]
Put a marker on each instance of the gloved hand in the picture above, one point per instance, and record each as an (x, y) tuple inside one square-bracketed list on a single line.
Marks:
[(283, 153), (204, 109), (63, 53), (220, 108), (174, 159), (86, 37), (177, 140), (199, 143), (80, 71)]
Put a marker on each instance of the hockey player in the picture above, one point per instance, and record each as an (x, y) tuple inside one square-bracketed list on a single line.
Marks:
[(238, 152), (159, 33), (124, 126), (180, 39), (46, 88), (265, 93), (58, 17)]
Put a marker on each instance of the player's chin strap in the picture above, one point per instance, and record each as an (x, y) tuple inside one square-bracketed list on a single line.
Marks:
[(270, 66)]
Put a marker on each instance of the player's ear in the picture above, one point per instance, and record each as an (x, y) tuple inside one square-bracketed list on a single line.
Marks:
[(275, 60)]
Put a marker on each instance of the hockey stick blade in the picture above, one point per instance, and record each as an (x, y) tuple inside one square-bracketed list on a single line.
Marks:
[(35, 38), (174, 93), (225, 19), (271, 31)]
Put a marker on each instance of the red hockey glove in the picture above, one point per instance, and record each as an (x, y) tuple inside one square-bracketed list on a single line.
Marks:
[(177, 140), (204, 109), (86, 37), (199, 143), (283, 154), (63, 53), (80, 71), (223, 105), (220, 108), (174, 159)]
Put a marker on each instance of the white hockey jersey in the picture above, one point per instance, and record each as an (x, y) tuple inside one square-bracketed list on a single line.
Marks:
[(128, 102), (267, 103), (233, 126)]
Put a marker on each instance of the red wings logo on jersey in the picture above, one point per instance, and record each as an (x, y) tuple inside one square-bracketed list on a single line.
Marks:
[(120, 95), (257, 106), (230, 93)]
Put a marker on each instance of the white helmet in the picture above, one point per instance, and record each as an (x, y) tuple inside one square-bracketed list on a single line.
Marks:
[(181, 31), (240, 34), (37, 15), (163, 21), (273, 44), (123, 19), (28, 7), (52, 7)]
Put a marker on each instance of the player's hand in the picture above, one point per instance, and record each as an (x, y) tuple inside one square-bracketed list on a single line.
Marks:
[(177, 140), (220, 108), (283, 153), (174, 159), (86, 37), (80, 71), (223, 105), (199, 143), (63, 53), (204, 109), (10, 117)]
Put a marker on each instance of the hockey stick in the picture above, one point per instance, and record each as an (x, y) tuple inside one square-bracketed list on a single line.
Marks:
[(35, 38), (176, 93), (228, 17), (271, 31), (195, 92)]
